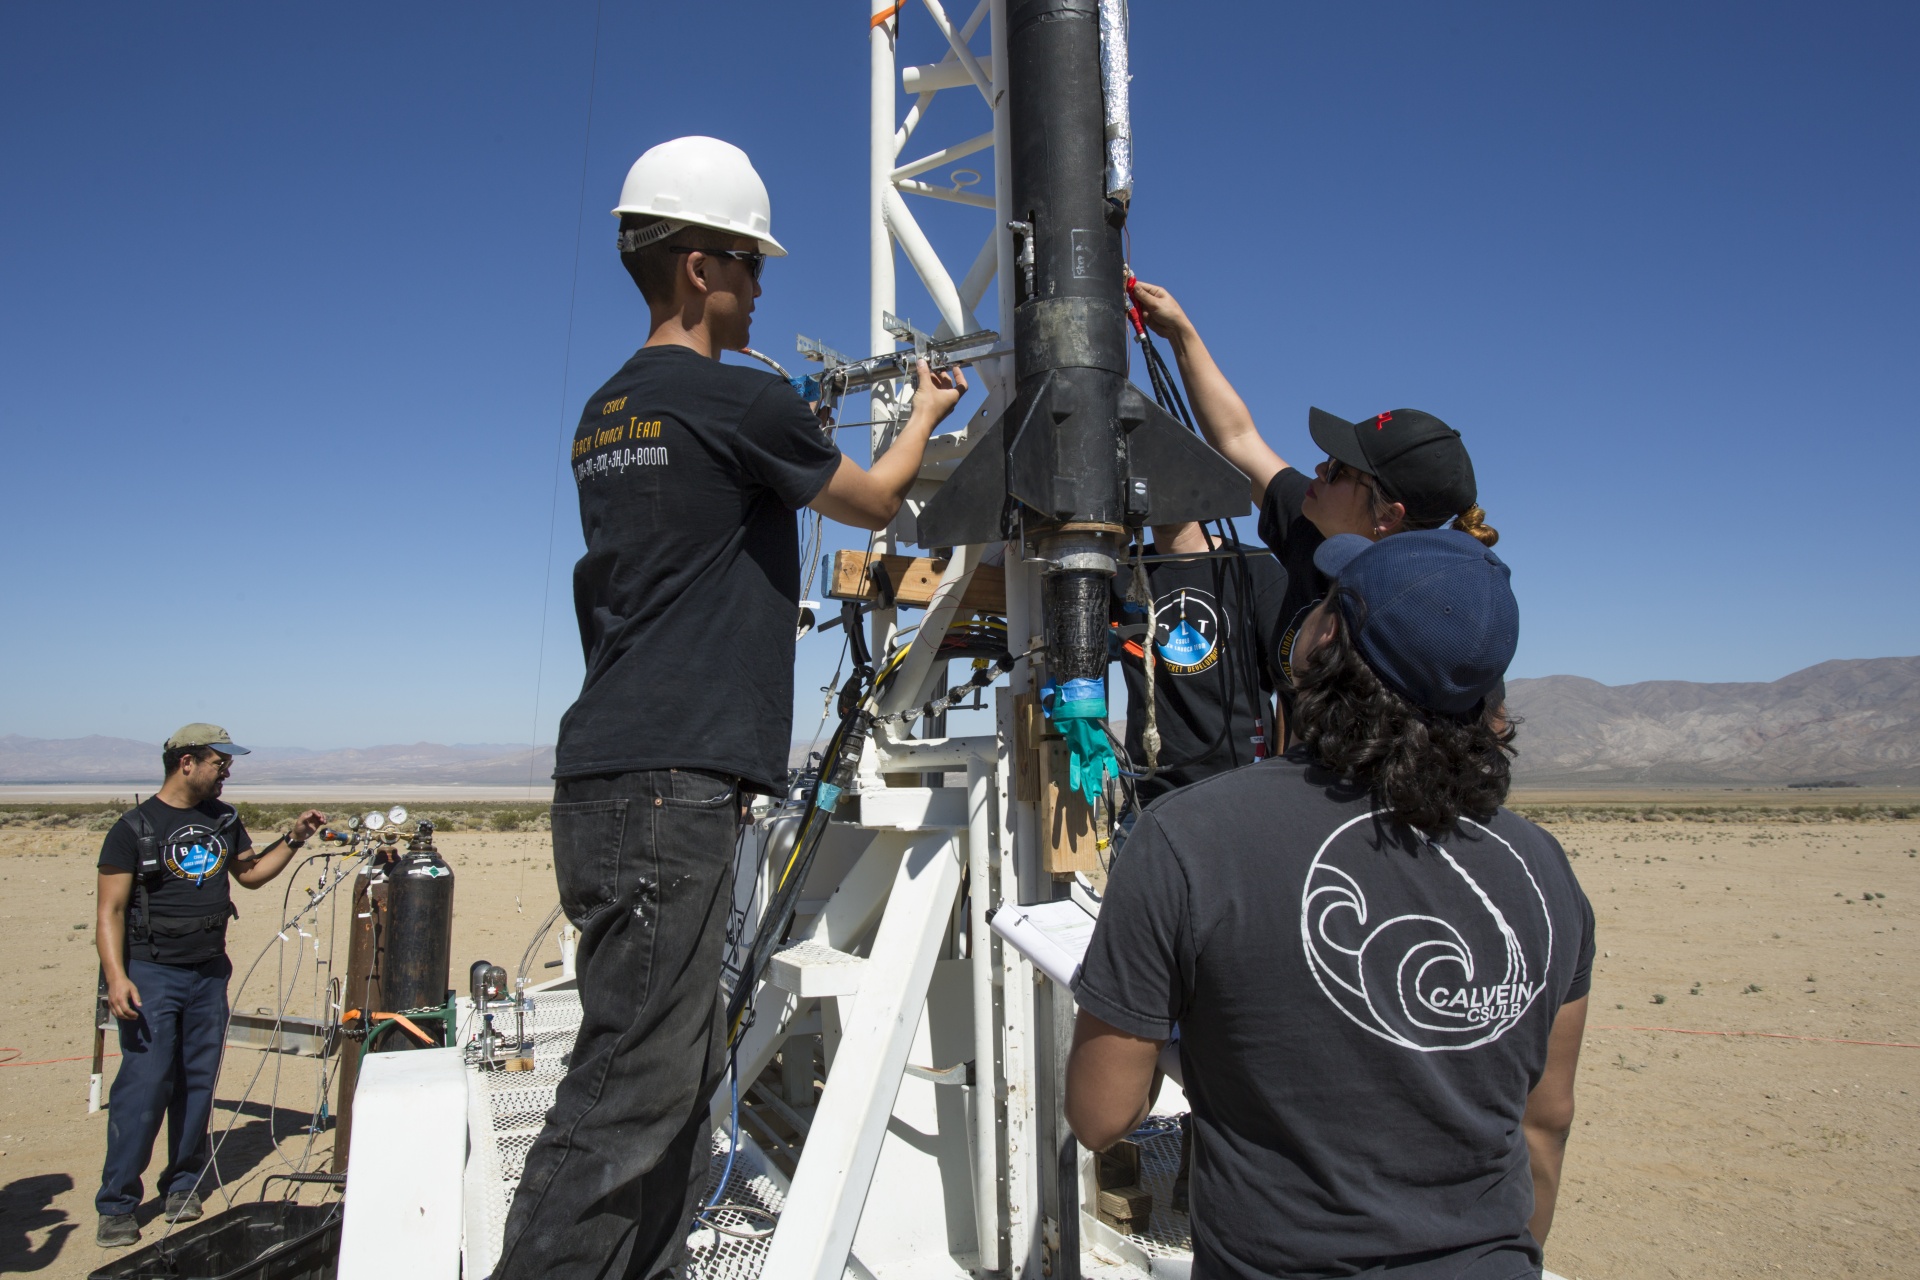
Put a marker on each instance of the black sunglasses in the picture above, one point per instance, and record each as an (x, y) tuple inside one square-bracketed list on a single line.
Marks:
[(1337, 468), (754, 261)]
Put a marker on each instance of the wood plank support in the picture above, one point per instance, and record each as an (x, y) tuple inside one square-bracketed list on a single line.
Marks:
[(914, 579), (1069, 828)]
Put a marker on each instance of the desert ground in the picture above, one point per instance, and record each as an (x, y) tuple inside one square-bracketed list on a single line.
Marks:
[(1693, 1155)]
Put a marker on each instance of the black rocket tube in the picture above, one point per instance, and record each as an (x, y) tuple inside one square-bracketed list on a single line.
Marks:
[(1080, 457)]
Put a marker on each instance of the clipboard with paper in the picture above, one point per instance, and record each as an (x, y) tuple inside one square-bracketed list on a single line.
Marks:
[(1054, 936)]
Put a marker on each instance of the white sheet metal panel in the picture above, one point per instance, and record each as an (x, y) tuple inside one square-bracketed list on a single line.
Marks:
[(404, 1187)]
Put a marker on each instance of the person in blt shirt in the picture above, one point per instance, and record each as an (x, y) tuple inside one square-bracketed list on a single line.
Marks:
[(1379, 973), (164, 896), (1392, 473), (690, 473), (1217, 625)]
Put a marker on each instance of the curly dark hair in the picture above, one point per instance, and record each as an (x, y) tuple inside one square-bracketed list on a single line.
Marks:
[(1423, 767)]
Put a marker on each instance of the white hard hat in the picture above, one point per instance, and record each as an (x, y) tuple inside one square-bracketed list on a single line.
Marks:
[(701, 182)]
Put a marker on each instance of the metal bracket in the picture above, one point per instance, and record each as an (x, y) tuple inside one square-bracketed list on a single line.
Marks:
[(1023, 256), (820, 352), (958, 1073), (902, 329)]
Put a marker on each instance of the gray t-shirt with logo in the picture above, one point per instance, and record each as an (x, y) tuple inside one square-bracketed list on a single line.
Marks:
[(1362, 1015)]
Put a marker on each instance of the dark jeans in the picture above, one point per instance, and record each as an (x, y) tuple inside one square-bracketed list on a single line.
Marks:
[(169, 1059), (645, 865)]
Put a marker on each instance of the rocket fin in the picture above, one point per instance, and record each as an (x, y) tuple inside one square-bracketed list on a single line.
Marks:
[(971, 507), (1031, 456), (975, 504), (1186, 479)]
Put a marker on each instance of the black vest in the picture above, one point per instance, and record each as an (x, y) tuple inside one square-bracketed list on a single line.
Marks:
[(165, 939)]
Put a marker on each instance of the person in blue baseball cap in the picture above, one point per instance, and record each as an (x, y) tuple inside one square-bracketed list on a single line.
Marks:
[(1379, 973)]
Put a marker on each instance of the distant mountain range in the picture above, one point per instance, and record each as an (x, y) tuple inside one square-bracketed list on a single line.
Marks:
[(122, 760), (1856, 720)]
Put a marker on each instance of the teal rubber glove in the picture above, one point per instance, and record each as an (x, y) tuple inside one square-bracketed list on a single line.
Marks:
[(1079, 708)]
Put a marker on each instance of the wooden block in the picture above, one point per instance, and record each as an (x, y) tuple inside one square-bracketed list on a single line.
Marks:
[(914, 580), (1118, 1166), (1066, 819), (1026, 755), (517, 1064), (1126, 1207)]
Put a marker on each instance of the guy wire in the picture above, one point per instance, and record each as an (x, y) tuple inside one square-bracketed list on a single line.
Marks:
[(566, 375)]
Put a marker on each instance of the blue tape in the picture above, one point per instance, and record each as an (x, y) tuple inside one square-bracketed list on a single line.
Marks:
[(1082, 699), (827, 798)]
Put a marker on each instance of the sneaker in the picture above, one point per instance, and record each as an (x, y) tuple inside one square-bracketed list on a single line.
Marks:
[(117, 1230), (183, 1206)]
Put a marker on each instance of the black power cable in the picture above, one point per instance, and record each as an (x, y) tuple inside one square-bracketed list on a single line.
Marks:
[(1167, 393)]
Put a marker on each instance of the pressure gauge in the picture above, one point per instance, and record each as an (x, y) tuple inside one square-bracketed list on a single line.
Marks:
[(376, 820), (397, 815), (353, 824)]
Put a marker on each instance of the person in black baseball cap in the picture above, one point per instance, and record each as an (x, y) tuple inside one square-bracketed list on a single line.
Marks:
[(1395, 472), (1391, 1091)]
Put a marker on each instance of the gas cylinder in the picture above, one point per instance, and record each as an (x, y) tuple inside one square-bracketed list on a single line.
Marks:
[(418, 942), (398, 953)]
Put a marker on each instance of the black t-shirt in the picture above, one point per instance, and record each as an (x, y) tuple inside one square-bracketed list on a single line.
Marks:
[(196, 847), (689, 473), (1206, 667), (1293, 539), (1362, 1015)]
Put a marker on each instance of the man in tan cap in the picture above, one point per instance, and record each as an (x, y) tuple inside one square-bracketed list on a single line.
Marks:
[(164, 902)]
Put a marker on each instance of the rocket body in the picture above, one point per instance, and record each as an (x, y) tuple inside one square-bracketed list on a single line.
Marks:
[(1069, 318), (1080, 458)]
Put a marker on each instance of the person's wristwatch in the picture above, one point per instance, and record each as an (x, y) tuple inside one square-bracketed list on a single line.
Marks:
[(290, 842)]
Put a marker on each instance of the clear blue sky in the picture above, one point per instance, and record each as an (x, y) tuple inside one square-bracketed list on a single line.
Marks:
[(285, 300)]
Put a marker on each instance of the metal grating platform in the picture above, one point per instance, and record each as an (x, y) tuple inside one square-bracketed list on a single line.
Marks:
[(505, 1112), (1168, 1233), (509, 1108), (716, 1255)]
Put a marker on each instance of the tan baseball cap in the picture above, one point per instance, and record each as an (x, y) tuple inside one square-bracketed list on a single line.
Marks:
[(205, 735)]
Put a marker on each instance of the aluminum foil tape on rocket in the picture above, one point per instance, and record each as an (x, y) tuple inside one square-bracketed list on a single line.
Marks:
[(1114, 76)]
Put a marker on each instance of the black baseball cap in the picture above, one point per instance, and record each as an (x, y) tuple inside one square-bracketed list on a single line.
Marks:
[(1431, 612), (1418, 459)]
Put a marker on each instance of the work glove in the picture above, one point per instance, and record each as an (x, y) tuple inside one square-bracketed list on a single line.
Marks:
[(1079, 711)]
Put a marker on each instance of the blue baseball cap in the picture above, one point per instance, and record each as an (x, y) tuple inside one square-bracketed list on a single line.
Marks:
[(1431, 612)]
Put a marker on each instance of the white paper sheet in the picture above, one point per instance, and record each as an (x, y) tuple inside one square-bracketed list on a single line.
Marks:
[(1054, 935)]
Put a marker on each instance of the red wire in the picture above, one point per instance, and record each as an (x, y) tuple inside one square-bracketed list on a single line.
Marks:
[(1769, 1035), (85, 1057)]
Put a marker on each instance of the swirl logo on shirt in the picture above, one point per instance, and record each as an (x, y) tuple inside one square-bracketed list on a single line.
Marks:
[(1455, 973), (194, 852), (1190, 627)]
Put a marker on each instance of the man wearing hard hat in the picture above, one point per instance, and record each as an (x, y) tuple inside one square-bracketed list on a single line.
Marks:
[(689, 472)]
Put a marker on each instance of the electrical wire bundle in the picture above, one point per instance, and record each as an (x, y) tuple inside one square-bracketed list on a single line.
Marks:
[(1167, 393), (292, 922)]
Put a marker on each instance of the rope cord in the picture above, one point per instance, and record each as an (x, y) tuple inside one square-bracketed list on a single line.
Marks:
[(1140, 592)]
